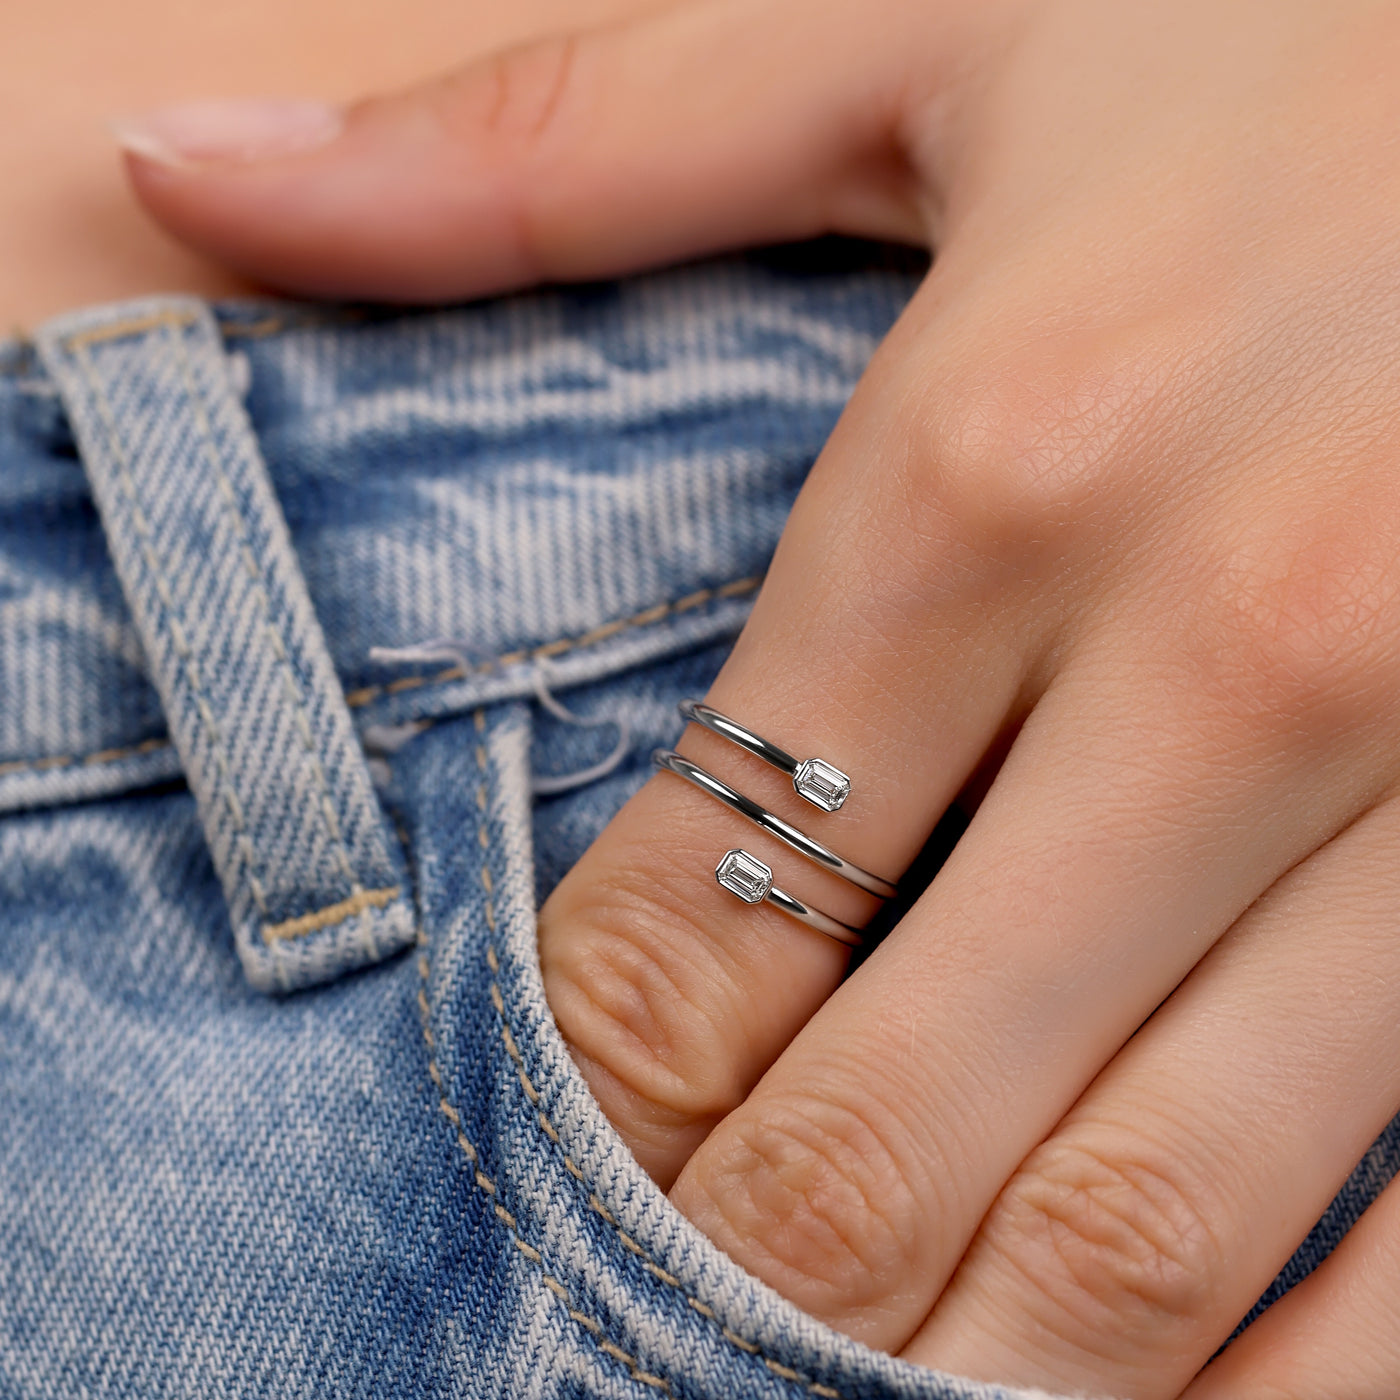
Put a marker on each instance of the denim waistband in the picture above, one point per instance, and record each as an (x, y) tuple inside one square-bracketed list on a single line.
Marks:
[(264, 494)]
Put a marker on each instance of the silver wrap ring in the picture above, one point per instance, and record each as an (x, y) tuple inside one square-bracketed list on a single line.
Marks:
[(814, 779), (672, 762)]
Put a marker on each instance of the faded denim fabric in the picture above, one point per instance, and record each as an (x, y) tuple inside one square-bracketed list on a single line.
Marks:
[(284, 1111)]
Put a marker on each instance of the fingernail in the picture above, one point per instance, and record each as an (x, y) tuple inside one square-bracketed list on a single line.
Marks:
[(233, 132)]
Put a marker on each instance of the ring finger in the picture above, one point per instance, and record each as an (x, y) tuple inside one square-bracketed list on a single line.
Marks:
[(674, 996)]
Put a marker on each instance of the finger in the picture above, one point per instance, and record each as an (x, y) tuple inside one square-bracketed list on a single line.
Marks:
[(1126, 1248), (674, 996), (701, 127), (1116, 845), (1336, 1336)]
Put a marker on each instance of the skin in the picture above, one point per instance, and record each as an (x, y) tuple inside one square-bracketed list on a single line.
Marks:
[(70, 232), (1110, 522)]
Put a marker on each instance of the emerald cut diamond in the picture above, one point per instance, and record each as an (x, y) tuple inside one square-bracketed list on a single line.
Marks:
[(821, 784), (744, 875)]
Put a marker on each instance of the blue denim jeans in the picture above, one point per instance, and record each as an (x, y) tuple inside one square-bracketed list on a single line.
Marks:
[(284, 1110)]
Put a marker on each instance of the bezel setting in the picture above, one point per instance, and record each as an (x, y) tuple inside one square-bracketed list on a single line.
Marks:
[(822, 784), (744, 875)]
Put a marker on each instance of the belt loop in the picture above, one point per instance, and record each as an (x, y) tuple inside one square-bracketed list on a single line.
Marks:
[(314, 884)]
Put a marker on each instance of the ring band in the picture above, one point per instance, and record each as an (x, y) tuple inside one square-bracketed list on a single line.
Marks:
[(747, 877), (800, 842), (814, 779)]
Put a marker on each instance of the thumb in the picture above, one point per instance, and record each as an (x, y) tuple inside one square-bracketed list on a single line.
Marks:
[(699, 128)]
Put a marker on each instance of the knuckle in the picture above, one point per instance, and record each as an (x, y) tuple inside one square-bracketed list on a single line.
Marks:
[(1019, 462), (811, 1183), (1301, 624), (1112, 1242)]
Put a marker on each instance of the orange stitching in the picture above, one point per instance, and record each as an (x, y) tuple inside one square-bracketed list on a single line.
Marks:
[(357, 699), (335, 913), (40, 765), (112, 755), (255, 330), (135, 325), (647, 618), (595, 1204), (117, 330), (483, 1182), (295, 319)]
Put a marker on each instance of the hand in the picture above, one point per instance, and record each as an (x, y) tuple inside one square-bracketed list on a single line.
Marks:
[(1115, 512)]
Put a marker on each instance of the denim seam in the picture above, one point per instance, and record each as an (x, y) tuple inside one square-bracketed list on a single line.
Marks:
[(260, 329), (484, 1183), (214, 456), (595, 1203), (79, 344), (648, 617), (366, 695), (96, 759), (135, 325), (257, 330)]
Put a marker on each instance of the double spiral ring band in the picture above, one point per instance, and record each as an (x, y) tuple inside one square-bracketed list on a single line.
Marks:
[(814, 779), (800, 842), (818, 782)]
